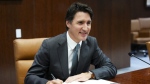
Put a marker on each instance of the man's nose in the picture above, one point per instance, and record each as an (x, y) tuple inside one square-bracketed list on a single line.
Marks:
[(85, 27)]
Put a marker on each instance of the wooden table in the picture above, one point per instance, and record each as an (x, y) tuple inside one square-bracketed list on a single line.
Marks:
[(135, 77)]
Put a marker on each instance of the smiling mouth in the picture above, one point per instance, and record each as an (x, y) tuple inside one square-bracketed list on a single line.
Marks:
[(83, 33)]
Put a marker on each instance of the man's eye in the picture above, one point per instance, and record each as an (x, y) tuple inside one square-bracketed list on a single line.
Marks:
[(80, 22), (88, 23)]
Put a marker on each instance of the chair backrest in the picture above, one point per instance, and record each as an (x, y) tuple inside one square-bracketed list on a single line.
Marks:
[(135, 28), (24, 52), (144, 23), (148, 47), (135, 25), (145, 27)]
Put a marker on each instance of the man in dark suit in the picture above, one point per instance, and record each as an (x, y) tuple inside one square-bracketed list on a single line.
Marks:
[(56, 56)]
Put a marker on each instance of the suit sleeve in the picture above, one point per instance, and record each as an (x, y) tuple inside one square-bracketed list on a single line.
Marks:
[(104, 68), (36, 73)]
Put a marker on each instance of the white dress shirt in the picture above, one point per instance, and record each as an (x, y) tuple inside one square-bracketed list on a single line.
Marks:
[(71, 46)]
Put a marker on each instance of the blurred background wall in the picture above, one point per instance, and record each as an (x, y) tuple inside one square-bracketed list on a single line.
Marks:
[(45, 18)]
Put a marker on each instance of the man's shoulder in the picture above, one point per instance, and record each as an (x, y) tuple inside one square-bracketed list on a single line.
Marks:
[(91, 41), (57, 38), (91, 38)]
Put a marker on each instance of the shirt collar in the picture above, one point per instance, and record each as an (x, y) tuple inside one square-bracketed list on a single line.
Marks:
[(71, 42)]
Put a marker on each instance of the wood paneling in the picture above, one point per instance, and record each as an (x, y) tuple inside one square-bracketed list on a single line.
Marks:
[(139, 9), (24, 16), (111, 27), (7, 26), (50, 17), (46, 18), (120, 33), (42, 18)]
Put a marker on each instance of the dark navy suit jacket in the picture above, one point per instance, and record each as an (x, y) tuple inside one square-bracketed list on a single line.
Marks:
[(52, 57)]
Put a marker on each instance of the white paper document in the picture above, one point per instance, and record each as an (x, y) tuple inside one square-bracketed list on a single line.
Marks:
[(101, 81)]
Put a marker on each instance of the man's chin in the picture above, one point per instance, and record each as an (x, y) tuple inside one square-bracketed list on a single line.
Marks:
[(83, 39)]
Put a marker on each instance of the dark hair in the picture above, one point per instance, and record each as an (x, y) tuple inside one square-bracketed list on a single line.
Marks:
[(77, 7)]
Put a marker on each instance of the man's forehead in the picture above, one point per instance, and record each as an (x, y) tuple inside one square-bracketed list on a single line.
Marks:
[(82, 16)]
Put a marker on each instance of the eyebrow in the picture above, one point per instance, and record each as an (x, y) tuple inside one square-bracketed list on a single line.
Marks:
[(84, 21)]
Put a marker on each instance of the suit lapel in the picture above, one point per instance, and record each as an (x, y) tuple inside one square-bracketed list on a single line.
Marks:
[(63, 55), (83, 55)]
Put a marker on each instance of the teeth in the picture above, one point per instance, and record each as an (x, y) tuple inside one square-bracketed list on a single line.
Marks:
[(83, 32)]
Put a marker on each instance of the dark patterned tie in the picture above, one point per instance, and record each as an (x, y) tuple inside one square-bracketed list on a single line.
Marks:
[(75, 60)]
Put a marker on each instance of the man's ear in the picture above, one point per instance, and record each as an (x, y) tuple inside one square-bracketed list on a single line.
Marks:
[(68, 24)]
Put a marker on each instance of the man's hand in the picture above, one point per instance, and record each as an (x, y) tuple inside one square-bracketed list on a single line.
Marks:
[(56, 81), (81, 77)]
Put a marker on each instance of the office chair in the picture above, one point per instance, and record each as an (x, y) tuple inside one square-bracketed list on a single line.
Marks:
[(24, 52), (140, 35)]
